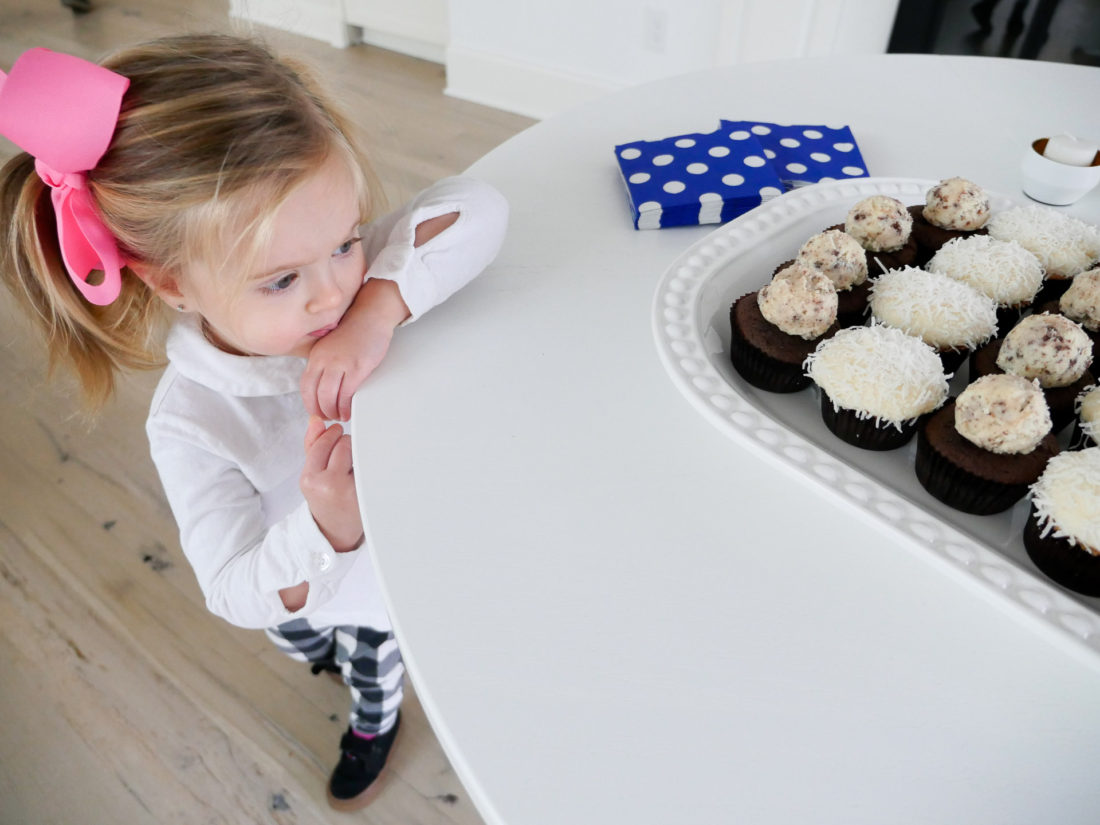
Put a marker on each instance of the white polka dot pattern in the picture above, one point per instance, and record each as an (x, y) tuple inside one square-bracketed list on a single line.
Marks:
[(714, 177)]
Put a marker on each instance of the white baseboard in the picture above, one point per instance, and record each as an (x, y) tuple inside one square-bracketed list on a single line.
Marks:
[(320, 19), (404, 45), (524, 88)]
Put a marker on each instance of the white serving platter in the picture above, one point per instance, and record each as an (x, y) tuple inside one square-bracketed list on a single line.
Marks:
[(691, 329)]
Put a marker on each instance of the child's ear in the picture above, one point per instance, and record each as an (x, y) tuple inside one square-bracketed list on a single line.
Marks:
[(165, 286)]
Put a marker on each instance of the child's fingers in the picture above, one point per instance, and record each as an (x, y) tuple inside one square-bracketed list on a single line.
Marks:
[(319, 452), (314, 430), (339, 460), (328, 394)]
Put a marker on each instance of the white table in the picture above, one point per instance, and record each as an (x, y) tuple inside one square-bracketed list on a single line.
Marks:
[(614, 613)]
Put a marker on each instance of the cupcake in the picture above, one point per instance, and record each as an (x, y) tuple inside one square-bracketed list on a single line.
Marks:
[(1064, 245), (1081, 303), (1002, 270), (839, 256), (1086, 429), (953, 208), (979, 453), (875, 383), (884, 228), (1062, 534), (1050, 348), (773, 330), (946, 314)]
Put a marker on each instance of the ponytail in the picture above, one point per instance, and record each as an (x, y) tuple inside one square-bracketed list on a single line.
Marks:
[(92, 342)]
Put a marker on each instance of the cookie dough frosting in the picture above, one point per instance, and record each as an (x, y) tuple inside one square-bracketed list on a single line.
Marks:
[(800, 301), (1087, 407), (939, 310), (958, 204), (837, 255), (879, 223), (1081, 302), (1003, 270), (1003, 414), (1065, 498), (1063, 244), (879, 372), (1051, 348)]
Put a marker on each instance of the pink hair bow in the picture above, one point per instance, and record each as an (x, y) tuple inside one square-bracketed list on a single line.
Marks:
[(63, 111)]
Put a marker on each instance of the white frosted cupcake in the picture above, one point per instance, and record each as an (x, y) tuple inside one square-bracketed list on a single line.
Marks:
[(1064, 245), (948, 315), (1048, 347), (1086, 432), (884, 228), (1002, 270), (876, 382), (1062, 535), (980, 451), (773, 330), (953, 208), (1081, 303), (839, 256)]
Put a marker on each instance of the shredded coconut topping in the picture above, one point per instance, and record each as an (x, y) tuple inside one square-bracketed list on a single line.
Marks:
[(880, 223), (1065, 498), (879, 372), (1087, 407), (1081, 302), (1003, 414), (838, 255), (800, 301), (1003, 270), (939, 310), (1049, 347), (957, 203), (1063, 244)]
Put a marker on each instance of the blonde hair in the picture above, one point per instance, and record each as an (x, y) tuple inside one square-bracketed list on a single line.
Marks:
[(214, 133)]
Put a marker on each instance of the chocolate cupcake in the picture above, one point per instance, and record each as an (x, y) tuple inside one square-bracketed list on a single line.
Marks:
[(884, 228), (839, 256), (772, 331), (1086, 427), (1064, 245), (946, 314), (1081, 303), (954, 208), (1062, 534), (875, 383), (982, 450), (1002, 270), (1047, 347)]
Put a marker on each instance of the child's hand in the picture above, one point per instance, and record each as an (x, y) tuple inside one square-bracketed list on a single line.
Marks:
[(338, 364), (328, 484), (341, 361)]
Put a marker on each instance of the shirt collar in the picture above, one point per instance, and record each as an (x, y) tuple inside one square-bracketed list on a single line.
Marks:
[(240, 375)]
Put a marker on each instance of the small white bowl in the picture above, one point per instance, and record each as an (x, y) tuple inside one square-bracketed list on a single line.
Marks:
[(1054, 183)]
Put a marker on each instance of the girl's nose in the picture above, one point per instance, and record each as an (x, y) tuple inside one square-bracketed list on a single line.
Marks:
[(326, 293)]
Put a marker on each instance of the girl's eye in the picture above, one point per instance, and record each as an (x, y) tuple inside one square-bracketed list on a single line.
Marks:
[(285, 282), (346, 246)]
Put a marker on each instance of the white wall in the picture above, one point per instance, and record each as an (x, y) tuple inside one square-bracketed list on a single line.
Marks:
[(537, 58)]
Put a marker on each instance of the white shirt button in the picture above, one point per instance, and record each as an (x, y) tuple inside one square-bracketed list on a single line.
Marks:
[(323, 561)]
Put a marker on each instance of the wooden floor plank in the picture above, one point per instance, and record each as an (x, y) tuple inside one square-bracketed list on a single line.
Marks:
[(134, 703)]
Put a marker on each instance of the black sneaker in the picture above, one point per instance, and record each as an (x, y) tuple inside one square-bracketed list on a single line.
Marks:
[(355, 780)]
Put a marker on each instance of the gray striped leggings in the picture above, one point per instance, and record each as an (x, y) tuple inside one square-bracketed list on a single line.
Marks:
[(368, 660)]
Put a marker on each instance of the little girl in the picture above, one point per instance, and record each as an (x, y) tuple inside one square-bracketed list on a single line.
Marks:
[(206, 173)]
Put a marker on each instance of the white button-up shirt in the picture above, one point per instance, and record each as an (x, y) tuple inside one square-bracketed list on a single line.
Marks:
[(227, 434)]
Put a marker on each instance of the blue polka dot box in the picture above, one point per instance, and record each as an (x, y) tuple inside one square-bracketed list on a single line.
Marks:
[(713, 177)]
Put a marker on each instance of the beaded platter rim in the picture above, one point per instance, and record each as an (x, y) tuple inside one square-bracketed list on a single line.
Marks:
[(686, 349)]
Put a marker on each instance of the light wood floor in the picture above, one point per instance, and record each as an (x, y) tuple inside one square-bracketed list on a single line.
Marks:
[(123, 700)]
